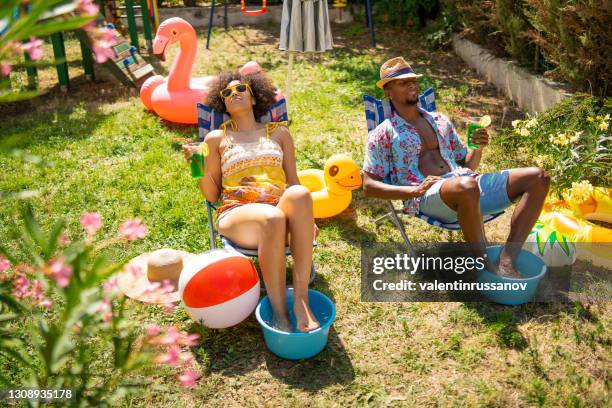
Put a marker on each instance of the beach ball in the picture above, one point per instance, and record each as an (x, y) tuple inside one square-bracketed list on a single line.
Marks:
[(551, 245), (219, 288)]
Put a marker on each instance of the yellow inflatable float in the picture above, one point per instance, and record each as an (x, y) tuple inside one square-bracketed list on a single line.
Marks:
[(331, 187), (573, 218)]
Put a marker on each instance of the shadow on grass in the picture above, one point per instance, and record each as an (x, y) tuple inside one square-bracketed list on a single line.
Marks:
[(239, 350)]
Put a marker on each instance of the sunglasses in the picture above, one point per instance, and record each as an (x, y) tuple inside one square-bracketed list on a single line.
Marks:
[(241, 88)]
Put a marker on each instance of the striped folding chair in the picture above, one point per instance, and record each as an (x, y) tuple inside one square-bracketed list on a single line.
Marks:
[(208, 120), (376, 111)]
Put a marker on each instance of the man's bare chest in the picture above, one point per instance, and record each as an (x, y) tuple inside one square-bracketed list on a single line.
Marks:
[(429, 141)]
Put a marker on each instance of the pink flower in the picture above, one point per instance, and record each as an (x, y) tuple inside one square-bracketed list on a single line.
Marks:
[(133, 229), (37, 292), (111, 284), (169, 307), (106, 310), (136, 271), (60, 272), (186, 359), (171, 337), (103, 39), (21, 286), (91, 222), (102, 54), (188, 378), (153, 330), (4, 264), (46, 303), (171, 357), (5, 69), (189, 340), (33, 48), (87, 7)]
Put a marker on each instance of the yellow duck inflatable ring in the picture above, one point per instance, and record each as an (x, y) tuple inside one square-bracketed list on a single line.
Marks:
[(331, 187)]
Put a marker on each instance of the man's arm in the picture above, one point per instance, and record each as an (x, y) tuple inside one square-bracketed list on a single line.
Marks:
[(373, 186)]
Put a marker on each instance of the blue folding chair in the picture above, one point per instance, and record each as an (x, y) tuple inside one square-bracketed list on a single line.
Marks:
[(376, 111), (208, 120)]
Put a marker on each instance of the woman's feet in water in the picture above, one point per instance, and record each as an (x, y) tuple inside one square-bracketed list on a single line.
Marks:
[(305, 318), (282, 323), (505, 267)]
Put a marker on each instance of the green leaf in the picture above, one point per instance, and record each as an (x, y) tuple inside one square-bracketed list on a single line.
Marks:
[(52, 243), (54, 26)]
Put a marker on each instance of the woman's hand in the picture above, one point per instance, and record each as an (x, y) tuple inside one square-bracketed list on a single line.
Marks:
[(188, 150)]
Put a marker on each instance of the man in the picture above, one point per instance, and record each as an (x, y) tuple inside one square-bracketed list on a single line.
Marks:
[(417, 155)]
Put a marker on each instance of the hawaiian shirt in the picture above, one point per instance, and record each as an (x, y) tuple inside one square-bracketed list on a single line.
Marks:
[(393, 148)]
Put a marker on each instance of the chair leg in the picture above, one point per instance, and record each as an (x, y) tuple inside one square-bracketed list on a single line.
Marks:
[(400, 225)]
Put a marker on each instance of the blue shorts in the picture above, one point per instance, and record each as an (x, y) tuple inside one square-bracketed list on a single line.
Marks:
[(493, 197)]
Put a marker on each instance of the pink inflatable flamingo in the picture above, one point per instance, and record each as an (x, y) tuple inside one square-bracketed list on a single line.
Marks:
[(174, 98)]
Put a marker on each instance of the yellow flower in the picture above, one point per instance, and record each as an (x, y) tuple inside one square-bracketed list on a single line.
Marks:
[(524, 132), (541, 160), (531, 123), (516, 123), (579, 193), (590, 118), (603, 125), (607, 117)]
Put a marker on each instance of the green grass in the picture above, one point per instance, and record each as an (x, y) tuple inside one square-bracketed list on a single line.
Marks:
[(101, 151)]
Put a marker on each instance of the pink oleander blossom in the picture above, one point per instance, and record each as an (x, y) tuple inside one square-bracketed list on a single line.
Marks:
[(21, 286), (91, 222), (5, 265), (103, 40), (188, 378), (133, 229), (87, 7), (5, 69), (46, 303), (153, 330), (33, 48), (169, 307), (60, 272), (171, 357), (189, 340), (111, 284)]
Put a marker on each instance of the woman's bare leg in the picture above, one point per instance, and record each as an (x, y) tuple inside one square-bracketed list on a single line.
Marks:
[(296, 204), (263, 226)]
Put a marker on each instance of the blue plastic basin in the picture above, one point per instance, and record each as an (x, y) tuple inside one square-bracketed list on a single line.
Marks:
[(297, 345), (532, 270)]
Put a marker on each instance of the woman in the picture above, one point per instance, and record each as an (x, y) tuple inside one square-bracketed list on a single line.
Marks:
[(252, 167)]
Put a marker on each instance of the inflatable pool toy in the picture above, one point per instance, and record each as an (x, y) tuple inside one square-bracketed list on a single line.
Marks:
[(331, 188), (174, 98), (550, 245), (576, 218), (252, 67), (219, 288), (297, 345)]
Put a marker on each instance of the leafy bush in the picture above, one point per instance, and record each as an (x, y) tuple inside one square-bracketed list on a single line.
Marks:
[(63, 323), (405, 13), (572, 141), (565, 39)]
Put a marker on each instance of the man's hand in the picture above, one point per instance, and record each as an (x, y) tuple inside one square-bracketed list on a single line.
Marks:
[(425, 184), (480, 137), (188, 150)]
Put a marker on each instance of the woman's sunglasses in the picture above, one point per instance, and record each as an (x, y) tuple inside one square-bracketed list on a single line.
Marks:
[(241, 88)]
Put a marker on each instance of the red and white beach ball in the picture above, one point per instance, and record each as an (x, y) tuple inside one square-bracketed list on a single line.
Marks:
[(219, 288)]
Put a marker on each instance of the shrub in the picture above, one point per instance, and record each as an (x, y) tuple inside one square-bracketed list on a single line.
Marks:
[(571, 141), (63, 322)]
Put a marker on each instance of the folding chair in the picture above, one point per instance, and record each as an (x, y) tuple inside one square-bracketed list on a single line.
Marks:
[(209, 119), (376, 111)]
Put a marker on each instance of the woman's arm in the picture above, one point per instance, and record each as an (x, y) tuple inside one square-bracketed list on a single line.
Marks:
[(289, 165)]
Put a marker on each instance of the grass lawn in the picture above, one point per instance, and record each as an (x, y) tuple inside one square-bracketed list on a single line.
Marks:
[(103, 152)]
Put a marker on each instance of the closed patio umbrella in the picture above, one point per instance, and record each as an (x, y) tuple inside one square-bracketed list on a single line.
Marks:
[(304, 28)]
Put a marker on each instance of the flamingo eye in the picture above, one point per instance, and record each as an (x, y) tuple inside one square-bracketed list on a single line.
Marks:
[(173, 32)]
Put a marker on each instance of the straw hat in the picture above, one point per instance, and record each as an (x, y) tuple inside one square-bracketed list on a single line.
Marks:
[(395, 68), (141, 273)]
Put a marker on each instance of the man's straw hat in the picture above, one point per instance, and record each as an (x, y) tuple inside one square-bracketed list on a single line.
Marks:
[(395, 68), (143, 274)]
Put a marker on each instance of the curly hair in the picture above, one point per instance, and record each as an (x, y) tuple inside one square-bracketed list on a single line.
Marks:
[(263, 89)]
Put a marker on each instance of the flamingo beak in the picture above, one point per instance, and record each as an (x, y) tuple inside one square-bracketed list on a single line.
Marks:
[(159, 47)]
